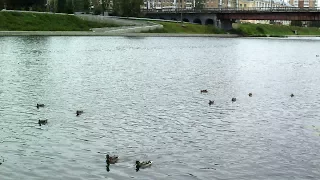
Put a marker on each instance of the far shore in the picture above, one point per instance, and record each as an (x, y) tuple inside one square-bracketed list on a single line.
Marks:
[(90, 33)]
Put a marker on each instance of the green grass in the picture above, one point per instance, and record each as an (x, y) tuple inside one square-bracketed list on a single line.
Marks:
[(17, 21), (263, 30), (187, 28)]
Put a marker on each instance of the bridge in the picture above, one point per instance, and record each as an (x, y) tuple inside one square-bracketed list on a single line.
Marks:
[(224, 17)]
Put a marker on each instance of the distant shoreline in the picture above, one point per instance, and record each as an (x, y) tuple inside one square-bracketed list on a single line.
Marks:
[(90, 33)]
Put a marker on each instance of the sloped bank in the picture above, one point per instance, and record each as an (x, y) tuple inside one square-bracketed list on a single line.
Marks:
[(266, 30), (39, 21), (16, 22), (127, 25)]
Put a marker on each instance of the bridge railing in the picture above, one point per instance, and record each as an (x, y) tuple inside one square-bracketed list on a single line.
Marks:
[(233, 10)]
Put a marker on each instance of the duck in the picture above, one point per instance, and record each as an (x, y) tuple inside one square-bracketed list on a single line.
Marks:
[(250, 94), (40, 105), (42, 122), (143, 164), (111, 159), (211, 102), (291, 95), (204, 91), (233, 99), (79, 112)]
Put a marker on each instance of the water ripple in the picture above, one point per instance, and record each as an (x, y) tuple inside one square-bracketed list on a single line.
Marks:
[(141, 101)]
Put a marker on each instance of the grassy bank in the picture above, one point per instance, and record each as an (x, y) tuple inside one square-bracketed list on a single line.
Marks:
[(17, 21), (186, 28), (264, 30)]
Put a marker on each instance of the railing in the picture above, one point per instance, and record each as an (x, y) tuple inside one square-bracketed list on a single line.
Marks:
[(233, 10)]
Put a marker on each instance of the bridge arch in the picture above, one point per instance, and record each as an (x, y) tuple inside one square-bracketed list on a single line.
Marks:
[(197, 21), (185, 20), (209, 22)]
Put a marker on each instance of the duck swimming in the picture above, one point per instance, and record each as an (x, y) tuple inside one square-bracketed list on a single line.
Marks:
[(111, 159), (40, 105), (143, 164), (234, 99), (42, 122), (250, 94), (79, 112), (291, 95), (203, 91), (211, 102)]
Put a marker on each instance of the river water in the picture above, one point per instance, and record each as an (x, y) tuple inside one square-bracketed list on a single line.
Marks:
[(141, 100)]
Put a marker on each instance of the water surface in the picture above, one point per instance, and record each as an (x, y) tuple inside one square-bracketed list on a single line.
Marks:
[(141, 100)]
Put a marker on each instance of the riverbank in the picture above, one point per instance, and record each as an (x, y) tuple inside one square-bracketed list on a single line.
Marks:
[(266, 30), (20, 21), (186, 28), (90, 33)]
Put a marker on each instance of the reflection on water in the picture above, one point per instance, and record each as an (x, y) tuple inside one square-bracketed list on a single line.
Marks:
[(141, 100)]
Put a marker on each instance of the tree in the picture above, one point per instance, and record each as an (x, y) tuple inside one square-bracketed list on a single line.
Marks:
[(199, 4), (86, 5), (69, 7), (61, 6), (127, 7), (296, 23), (78, 5), (1, 4), (24, 4), (315, 24), (52, 6)]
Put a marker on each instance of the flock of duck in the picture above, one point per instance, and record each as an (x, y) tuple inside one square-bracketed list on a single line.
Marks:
[(211, 102), (109, 159), (139, 165), (45, 121)]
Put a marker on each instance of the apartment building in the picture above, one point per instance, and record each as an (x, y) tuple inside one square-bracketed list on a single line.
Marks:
[(304, 3), (190, 4), (168, 4)]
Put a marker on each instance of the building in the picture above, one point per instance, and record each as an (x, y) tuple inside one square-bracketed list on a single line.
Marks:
[(263, 5), (190, 4), (304, 3), (169, 4)]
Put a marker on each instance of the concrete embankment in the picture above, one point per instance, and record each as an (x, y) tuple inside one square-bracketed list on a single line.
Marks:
[(126, 25)]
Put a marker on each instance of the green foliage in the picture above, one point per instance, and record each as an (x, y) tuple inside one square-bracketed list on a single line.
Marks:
[(86, 5), (18, 4), (1, 4), (296, 23), (69, 7), (16, 21), (97, 10), (61, 6), (315, 24), (128, 8), (273, 30), (260, 30), (171, 27), (199, 4)]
